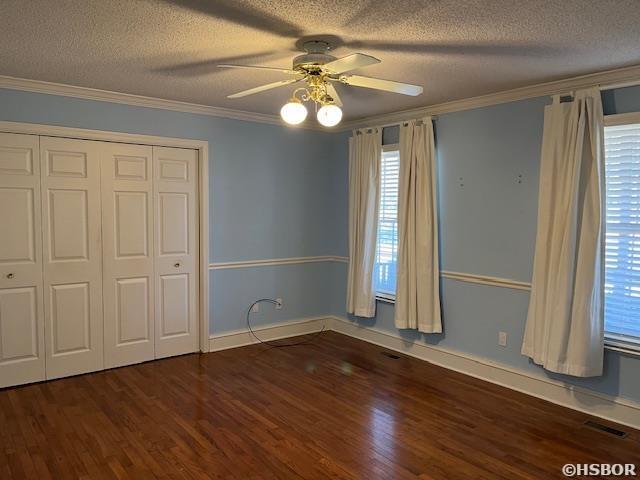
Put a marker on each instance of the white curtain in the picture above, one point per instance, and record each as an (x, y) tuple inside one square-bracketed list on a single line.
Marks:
[(365, 148), (418, 270), (565, 330)]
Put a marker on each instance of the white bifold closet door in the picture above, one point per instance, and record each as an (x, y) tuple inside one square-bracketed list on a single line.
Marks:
[(72, 251), (128, 253), (176, 258), (98, 255), (21, 307)]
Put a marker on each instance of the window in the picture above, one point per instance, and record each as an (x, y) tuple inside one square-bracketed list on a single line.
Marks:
[(387, 241), (622, 246)]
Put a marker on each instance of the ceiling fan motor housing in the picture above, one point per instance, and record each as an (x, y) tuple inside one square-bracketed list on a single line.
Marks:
[(316, 54), (312, 59)]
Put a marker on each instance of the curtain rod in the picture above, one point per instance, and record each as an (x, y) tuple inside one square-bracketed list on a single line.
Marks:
[(399, 122), (604, 86), (611, 86), (601, 87)]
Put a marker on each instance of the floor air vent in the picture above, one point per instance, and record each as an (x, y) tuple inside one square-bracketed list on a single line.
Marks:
[(604, 428), (391, 355)]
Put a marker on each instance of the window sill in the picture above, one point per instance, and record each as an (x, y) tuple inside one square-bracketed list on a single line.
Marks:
[(386, 298), (622, 345)]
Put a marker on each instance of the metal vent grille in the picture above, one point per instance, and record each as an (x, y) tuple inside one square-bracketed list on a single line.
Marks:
[(391, 355), (604, 428)]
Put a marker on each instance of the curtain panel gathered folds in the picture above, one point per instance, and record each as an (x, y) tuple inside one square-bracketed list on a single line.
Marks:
[(365, 148), (565, 325), (418, 269)]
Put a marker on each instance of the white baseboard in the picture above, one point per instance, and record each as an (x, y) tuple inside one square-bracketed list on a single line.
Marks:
[(619, 410), (276, 331)]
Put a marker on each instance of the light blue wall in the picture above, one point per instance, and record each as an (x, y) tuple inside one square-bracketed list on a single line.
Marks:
[(305, 288), (273, 194), (488, 188), (488, 166), (340, 195), (278, 192)]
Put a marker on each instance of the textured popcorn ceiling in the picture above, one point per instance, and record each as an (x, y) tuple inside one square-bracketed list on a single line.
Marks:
[(453, 48)]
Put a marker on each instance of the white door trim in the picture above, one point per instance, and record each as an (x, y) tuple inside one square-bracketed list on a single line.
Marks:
[(203, 189)]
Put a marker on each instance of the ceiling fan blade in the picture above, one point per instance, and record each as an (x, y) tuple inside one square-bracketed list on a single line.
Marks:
[(350, 62), (456, 48), (259, 67), (333, 93), (263, 88), (242, 13), (209, 66), (379, 84)]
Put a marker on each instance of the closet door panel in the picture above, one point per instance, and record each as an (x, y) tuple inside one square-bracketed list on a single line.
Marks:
[(21, 292), (18, 325), (68, 225), (174, 308), (127, 226), (18, 242), (72, 240), (70, 318), (176, 259)]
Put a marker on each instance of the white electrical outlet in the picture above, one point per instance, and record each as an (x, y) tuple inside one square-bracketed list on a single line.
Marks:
[(255, 308), (279, 304), (502, 339)]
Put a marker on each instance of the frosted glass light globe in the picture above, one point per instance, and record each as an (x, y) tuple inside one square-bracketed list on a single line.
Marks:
[(329, 115), (293, 113)]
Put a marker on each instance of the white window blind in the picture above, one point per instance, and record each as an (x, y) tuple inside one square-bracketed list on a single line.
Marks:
[(387, 242), (622, 246)]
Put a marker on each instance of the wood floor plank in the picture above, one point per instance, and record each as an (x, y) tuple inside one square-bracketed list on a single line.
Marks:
[(334, 408)]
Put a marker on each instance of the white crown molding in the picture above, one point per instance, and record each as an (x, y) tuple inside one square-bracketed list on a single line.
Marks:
[(275, 261), (620, 77), (38, 86), (611, 78)]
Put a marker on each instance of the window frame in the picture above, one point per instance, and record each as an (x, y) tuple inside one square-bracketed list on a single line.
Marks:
[(384, 296), (612, 341)]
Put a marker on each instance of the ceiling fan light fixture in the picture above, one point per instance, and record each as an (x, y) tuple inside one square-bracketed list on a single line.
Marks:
[(319, 70), (293, 112), (329, 115)]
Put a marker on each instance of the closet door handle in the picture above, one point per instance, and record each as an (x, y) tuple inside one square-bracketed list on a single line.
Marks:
[(177, 264), (10, 276)]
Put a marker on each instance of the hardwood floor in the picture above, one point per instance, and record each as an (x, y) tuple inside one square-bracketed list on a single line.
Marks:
[(337, 408)]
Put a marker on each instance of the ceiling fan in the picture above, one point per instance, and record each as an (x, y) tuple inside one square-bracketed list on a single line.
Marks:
[(320, 71)]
